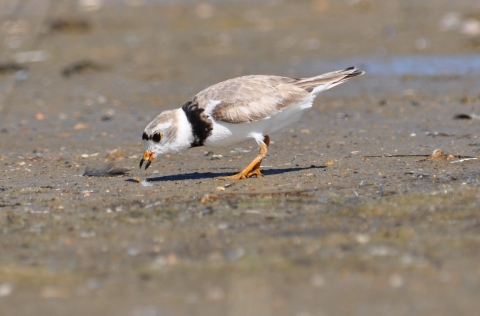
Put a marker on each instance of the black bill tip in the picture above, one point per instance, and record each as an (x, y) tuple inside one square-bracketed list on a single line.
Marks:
[(141, 163), (148, 164)]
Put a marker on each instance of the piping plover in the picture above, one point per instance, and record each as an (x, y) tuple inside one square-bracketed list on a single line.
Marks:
[(235, 110)]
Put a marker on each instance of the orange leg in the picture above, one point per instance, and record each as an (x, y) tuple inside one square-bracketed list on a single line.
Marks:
[(254, 167)]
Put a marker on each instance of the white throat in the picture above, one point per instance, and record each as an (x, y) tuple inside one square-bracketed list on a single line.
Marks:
[(184, 135)]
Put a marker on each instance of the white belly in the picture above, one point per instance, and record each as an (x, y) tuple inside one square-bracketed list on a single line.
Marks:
[(226, 134)]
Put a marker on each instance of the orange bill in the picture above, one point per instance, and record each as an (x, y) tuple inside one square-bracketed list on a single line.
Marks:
[(149, 157)]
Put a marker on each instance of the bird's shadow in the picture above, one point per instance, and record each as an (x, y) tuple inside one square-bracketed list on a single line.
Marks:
[(212, 175)]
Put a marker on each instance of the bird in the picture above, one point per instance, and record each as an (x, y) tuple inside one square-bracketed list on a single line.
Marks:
[(236, 110)]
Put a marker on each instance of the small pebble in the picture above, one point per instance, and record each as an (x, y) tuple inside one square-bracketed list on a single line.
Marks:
[(5, 289), (80, 126), (362, 238), (317, 280), (235, 254), (395, 281), (437, 153), (209, 198)]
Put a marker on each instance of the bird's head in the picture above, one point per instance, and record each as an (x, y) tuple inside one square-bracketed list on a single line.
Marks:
[(155, 137), (163, 135)]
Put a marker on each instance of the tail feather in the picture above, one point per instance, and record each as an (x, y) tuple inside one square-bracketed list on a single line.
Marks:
[(329, 80)]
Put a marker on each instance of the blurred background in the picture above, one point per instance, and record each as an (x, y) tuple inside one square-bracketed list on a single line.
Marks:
[(117, 50), (79, 81)]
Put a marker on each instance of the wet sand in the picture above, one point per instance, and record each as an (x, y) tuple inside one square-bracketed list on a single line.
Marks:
[(352, 217)]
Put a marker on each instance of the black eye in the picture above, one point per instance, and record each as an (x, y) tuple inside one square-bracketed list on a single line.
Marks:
[(157, 136), (145, 136)]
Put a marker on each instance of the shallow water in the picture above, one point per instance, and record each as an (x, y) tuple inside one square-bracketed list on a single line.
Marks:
[(416, 65)]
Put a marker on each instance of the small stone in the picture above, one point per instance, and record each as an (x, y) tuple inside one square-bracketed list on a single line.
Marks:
[(395, 281), (5, 289), (209, 198), (80, 126), (171, 259), (317, 280), (114, 154), (223, 225), (437, 153), (450, 21), (132, 251), (329, 163), (470, 27), (220, 188), (235, 254), (362, 238)]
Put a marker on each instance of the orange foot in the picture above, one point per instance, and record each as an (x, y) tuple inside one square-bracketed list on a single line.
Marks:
[(254, 167)]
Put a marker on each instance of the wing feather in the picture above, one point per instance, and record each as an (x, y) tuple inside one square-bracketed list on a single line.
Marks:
[(255, 98), (250, 98)]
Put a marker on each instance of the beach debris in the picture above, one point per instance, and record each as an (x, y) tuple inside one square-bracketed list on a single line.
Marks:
[(464, 116), (90, 5), (80, 126), (89, 155), (64, 25), (9, 68), (80, 67), (108, 170), (440, 154), (464, 159), (235, 254), (146, 183), (437, 153), (396, 281), (107, 114), (329, 163), (294, 157), (317, 280), (240, 150), (114, 155), (6, 289), (209, 198), (450, 21), (470, 27)]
